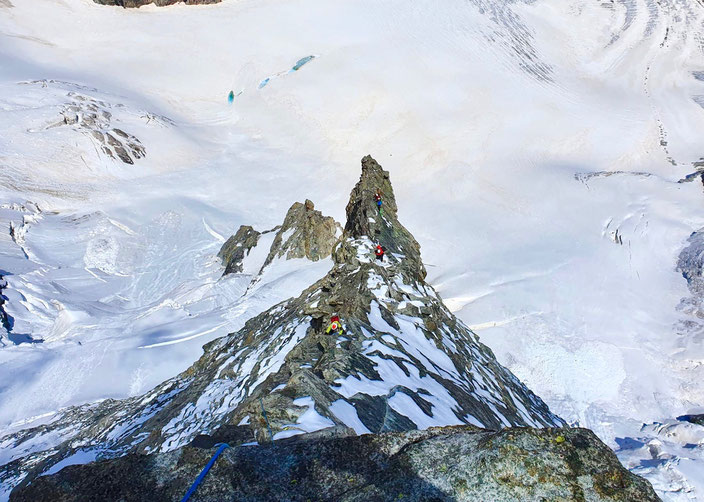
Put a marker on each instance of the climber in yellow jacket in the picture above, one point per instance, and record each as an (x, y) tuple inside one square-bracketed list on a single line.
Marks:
[(335, 326)]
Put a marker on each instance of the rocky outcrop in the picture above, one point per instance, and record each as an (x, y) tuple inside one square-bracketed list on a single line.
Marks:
[(237, 247), (403, 362), (697, 419), (366, 221), (4, 317), (159, 3), (440, 464), (305, 233), (691, 265)]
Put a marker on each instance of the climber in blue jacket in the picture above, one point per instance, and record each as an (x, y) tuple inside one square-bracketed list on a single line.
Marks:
[(377, 198)]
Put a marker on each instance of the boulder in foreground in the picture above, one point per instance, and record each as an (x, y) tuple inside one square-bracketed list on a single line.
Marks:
[(461, 463)]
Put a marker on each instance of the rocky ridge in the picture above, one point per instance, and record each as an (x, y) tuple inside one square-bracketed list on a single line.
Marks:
[(403, 362), (238, 247), (305, 233), (461, 463)]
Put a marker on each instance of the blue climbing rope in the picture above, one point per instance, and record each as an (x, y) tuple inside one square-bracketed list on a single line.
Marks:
[(203, 473), (210, 464)]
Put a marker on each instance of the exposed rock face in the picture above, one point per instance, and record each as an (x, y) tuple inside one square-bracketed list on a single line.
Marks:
[(693, 419), (305, 233), (403, 362), (237, 247), (456, 464), (159, 3), (4, 318), (365, 221), (691, 265)]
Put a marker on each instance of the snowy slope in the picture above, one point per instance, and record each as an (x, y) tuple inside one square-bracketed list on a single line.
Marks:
[(501, 122)]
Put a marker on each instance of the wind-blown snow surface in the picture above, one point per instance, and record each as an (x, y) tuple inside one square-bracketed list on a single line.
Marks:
[(500, 121)]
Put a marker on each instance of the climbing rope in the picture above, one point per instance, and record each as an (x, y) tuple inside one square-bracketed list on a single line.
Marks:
[(203, 473), (210, 464)]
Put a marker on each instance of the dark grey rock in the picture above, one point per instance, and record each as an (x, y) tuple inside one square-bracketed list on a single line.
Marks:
[(5, 319), (364, 220), (694, 419), (237, 247), (440, 464), (305, 233), (691, 261)]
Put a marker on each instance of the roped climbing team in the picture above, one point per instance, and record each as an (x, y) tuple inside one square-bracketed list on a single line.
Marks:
[(380, 250), (335, 326)]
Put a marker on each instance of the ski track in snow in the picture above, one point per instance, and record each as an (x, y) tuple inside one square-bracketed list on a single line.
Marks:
[(535, 146)]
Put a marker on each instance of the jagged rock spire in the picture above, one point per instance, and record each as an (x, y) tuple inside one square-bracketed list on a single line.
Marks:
[(237, 247), (403, 362), (305, 233), (365, 221), (361, 209)]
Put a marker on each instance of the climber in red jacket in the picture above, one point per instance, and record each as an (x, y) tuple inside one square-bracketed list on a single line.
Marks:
[(379, 252), (377, 199)]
